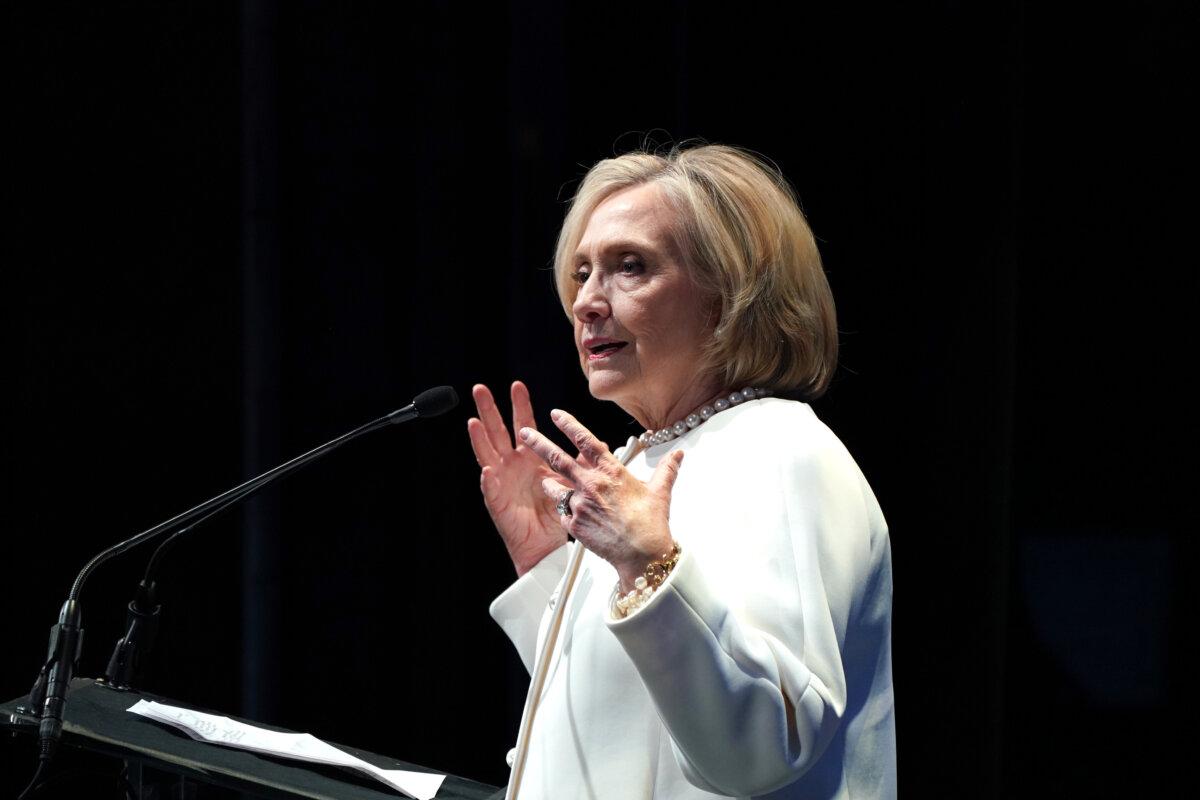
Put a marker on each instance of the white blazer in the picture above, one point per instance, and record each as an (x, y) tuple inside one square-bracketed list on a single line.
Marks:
[(762, 666)]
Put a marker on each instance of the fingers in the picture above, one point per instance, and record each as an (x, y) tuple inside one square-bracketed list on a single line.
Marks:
[(588, 445), (551, 453), (667, 473), (489, 415), (554, 488), (522, 407), (490, 488), (485, 454), (487, 483)]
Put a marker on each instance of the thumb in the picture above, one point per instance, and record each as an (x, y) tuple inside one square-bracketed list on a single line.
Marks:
[(667, 472)]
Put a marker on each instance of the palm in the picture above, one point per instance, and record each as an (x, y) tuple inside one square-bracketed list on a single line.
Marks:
[(519, 504)]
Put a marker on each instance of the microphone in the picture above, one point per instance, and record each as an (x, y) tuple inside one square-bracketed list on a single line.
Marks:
[(48, 698), (429, 403)]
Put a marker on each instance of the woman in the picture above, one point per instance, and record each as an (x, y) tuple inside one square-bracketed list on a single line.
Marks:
[(728, 631)]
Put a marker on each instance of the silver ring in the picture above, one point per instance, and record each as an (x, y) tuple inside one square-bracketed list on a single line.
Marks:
[(564, 503)]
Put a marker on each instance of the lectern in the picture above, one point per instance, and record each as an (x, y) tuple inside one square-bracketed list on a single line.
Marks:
[(97, 720)]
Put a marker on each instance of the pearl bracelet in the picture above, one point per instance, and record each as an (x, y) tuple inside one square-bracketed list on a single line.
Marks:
[(645, 585)]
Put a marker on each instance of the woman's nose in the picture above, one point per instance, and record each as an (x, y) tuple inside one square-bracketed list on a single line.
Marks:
[(591, 302)]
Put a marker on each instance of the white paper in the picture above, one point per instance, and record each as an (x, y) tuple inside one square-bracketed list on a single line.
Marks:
[(301, 746)]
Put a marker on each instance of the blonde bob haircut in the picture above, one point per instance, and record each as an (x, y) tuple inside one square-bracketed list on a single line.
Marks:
[(747, 246)]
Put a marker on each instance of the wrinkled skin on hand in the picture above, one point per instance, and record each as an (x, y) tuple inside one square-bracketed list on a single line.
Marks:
[(616, 516)]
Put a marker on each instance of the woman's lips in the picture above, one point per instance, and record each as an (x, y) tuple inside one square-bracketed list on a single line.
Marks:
[(606, 350)]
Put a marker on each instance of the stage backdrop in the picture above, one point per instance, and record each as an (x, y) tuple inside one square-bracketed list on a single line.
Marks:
[(238, 230)]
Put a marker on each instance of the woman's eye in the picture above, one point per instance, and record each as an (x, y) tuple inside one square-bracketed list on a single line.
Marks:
[(580, 276), (631, 267)]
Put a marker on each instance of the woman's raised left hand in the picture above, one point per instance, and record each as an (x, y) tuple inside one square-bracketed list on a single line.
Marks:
[(616, 516)]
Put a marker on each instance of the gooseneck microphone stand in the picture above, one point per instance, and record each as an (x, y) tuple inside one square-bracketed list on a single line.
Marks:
[(144, 611), (48, 697)]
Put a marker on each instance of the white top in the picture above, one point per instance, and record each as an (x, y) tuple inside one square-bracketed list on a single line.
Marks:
[(761, 667)]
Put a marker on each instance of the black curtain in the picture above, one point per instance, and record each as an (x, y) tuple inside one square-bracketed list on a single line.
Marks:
[(237, 230)]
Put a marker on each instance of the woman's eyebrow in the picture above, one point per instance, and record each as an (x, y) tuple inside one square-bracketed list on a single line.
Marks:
[(620, 246)]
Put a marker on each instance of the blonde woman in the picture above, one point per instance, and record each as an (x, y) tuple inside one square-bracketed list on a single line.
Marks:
[(721, 624)]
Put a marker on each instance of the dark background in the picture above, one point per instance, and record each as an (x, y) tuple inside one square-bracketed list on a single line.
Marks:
[(238, 230)]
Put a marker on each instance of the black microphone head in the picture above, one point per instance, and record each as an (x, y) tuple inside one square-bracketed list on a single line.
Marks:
[(437, 400)]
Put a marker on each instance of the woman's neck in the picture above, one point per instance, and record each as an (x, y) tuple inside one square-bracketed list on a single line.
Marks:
[(668, 413)]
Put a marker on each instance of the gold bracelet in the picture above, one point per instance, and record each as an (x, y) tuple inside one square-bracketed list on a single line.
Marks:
[(646, 584)]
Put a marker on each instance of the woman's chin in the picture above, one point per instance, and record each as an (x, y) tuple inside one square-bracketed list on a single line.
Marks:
[(607, 384)]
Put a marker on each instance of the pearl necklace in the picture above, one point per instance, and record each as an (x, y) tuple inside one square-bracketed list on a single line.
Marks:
[(699, 417)]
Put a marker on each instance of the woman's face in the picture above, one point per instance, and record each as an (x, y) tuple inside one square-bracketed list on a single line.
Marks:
[(640, 322)]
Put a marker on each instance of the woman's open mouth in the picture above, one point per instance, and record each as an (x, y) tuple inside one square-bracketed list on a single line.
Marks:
[(602, 350)]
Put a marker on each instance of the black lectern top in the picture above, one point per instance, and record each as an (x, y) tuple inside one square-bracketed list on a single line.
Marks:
[(97, 719)]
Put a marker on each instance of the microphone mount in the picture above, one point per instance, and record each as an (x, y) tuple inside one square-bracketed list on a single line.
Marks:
[(48, 697)]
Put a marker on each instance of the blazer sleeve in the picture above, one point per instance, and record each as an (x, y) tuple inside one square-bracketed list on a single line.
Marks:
[(519, 609), (743, 655)]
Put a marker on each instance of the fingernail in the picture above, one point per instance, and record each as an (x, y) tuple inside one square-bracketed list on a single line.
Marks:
[(526, 434), (555, 414)]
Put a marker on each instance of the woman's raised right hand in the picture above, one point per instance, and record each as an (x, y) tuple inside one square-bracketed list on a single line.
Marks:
[(511, 480)]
